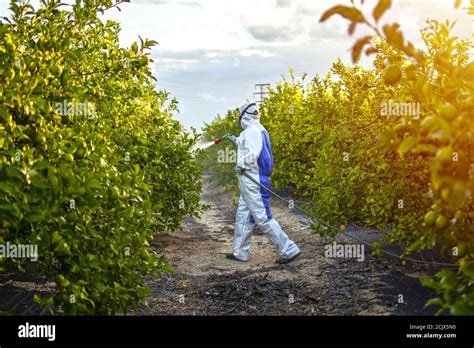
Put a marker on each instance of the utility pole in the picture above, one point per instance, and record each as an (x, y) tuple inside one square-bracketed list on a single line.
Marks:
[(262, 92)]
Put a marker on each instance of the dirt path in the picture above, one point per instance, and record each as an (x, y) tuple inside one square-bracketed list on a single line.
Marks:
[(206, 283)]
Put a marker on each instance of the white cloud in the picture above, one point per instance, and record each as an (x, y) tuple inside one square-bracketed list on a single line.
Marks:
[(200, 42), (256, 53), (271, 33), (283, 3)]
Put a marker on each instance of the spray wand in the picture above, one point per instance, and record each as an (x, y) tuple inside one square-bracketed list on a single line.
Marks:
[(218, 140)]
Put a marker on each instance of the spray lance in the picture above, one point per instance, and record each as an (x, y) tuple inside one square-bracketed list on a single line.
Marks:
[(218, 140), (203, 146)]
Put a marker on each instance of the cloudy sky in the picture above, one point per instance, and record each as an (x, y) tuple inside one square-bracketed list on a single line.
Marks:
[(211, 53)]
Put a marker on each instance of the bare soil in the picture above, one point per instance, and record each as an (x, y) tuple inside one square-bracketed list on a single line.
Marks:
[(206, 283)]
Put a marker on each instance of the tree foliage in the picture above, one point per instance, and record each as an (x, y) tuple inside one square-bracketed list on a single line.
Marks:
[(91, 161), (388, 147)]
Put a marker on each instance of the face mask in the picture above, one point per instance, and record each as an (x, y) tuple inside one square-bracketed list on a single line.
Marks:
[(245, 111)]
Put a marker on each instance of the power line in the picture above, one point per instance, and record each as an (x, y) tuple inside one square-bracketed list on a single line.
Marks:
[(192, 98), (220, 82), (173, 84), (195, 97), (204, 100), (196, 85), (207, 77)]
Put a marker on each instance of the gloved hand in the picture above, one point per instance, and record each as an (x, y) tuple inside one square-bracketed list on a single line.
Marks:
[(232, 138), (239, 170)]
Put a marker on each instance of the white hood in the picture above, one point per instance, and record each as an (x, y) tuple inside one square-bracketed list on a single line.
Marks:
[(248, 114)]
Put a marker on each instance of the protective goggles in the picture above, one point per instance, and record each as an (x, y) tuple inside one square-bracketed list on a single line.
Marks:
[(245, 110)]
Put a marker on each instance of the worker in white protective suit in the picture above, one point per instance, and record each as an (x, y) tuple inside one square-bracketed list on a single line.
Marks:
[(254, 158)]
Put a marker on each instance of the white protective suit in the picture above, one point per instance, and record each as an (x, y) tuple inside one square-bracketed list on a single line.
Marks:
[(254, 154)]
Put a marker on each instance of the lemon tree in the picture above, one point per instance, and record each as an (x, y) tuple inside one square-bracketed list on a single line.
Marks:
[(441, 81), (389, 147), (91, 162)]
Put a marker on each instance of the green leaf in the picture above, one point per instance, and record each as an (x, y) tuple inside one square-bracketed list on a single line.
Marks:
[(434, 302), (449, 279), (430, 283), (37, 299), (64, 78), (7, 188), (40, 182), (53, 180), (393, 35), (56, 238), (358, 46), (41, 165), (14, 172), (381, 7), (467, 267), (93, 183), (462, 308), (351, 13), (407, 144), (467, 72)]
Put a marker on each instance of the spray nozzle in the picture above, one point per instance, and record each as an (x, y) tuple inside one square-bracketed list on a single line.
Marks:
[(218, 140)]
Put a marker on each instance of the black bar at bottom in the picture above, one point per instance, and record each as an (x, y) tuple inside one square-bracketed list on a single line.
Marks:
[(452, 331)]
